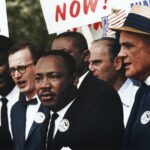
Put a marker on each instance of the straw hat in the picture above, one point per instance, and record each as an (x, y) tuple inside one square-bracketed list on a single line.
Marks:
[(137, 21)]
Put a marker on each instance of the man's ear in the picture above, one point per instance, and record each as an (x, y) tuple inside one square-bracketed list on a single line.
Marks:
[(118, 63)]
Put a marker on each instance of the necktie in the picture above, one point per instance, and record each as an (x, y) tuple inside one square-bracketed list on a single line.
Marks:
[(51, 130), (5, 137), (29, 102), (4, 116)]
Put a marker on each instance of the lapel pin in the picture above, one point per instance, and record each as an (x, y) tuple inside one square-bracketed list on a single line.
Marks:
[(64, 125), (65, 148), (39, 117), (145, 118)]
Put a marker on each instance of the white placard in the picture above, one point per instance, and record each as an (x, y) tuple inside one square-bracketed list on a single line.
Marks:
[(61, 15)]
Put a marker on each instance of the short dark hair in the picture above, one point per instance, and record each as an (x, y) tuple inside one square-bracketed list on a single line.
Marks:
[(5, 44), (114, 46), (68, 59), (33, 48), (79, 40)]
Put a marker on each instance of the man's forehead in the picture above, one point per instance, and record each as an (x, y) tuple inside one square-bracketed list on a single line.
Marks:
[(63, 42), (99, 50), (53, 58), (50, 61), (126, 37)]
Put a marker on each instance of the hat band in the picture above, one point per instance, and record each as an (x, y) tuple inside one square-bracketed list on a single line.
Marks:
[(138, 22)]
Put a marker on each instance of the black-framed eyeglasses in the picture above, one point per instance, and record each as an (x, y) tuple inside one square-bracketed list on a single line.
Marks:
[(20, 69)]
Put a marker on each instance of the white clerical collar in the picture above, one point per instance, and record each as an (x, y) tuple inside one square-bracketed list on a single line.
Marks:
[(81, 79), (147, 81)]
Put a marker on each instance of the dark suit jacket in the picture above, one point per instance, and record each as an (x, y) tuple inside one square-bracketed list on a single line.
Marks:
[(137, 135), (5, 139), (35, 140), (6, 142), (95, 117)]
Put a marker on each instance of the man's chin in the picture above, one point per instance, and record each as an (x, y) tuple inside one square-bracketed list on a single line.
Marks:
[(46, 102), (129, 74)]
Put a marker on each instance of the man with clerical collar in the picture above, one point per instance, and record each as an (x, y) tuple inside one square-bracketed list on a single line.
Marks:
[(135, 52), (105, 64), (22, 59), (8, 92), (74, 122)]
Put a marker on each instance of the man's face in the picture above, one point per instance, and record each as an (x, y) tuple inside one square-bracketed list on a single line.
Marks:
[(25, 81), (67, 44), (5, 78), (54, 84), (99, 62), (136, 55)]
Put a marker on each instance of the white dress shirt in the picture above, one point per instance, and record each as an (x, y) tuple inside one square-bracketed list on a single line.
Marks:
[(61, 114), (30, 115), (12, 97), (127, 94)]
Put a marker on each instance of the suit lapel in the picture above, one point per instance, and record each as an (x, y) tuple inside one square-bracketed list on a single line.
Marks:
[(61, 137), (19, 120), (43, 110), (22, 119)]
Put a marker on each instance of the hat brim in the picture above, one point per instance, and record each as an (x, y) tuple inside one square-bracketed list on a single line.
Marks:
[(128, 29)]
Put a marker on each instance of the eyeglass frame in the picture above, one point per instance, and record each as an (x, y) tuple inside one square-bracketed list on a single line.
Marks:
[(24, 67)]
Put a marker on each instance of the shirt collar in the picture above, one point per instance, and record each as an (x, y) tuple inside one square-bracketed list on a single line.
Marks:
[(81, 79), (63, 111), (147, 81), (35, 96), (125, 99), (13, 94)]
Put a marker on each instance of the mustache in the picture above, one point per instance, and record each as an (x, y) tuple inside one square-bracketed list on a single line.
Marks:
[(47, 92)]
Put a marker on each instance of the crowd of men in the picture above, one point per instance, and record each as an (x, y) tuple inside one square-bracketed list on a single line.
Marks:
[(75, 97)]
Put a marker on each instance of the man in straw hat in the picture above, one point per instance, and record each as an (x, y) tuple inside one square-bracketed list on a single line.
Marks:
[(135, 51)]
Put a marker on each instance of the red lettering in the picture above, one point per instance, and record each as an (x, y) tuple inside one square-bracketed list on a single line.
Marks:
[(104, 7), (75, 8), (89, 4), (89, 25), (97, 25), (61, 13), (75, 29)]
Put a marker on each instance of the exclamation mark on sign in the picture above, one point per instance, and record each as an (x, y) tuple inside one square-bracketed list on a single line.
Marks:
[(104, 7)]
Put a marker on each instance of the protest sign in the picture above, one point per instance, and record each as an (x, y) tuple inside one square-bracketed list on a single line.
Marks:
[(67, 14)]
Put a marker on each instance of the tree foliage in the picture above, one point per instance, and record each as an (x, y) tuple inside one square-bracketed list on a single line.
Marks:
[(26, 22)]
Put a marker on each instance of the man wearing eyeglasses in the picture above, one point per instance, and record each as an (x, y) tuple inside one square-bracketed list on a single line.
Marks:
[(22, 58)]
